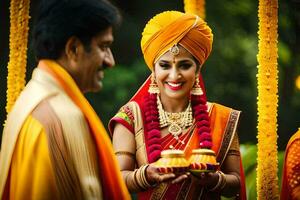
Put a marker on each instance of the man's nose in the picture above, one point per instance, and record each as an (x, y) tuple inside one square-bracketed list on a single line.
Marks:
[(109, 60)]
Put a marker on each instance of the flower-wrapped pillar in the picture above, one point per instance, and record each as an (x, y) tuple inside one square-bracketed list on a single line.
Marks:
[(196, 7), (267, 77), (18, 39)]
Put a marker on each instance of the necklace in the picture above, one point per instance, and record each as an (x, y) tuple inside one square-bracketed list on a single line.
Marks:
[(176, 121)]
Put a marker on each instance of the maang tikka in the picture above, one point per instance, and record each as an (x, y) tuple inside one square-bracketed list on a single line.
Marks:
[(174, 50), (196, 90), (153, 88)]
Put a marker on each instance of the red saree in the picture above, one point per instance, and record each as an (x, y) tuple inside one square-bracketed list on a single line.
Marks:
[(223, 122)]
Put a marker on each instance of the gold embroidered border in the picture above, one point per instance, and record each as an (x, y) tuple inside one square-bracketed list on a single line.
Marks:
[(159, 191), (228, 135), (184, 190)]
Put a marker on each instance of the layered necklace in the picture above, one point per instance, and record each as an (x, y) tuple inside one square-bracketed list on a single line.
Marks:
[(153, 129), (177, 122)]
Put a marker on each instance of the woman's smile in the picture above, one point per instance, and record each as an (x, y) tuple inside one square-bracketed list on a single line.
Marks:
[(175, 86)]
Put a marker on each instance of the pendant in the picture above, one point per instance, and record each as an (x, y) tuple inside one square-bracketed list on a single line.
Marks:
[(175, 130)]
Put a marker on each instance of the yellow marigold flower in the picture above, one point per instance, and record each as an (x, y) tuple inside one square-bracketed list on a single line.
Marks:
[(267, 101), (18, 39), (196, 7)]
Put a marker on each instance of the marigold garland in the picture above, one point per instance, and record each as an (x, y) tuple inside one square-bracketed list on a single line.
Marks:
[(18, 39), (196, 7), (267, 77)]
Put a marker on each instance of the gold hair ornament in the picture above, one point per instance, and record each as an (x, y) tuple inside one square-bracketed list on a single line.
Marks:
[(174, 50)]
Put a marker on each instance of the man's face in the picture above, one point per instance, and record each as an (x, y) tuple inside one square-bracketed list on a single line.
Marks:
[(92, 61)]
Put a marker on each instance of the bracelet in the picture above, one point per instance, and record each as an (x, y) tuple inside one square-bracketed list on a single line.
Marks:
[(140, 178), (125, 153), (224, 182), (146, 179), (221, 182), (131, 181)]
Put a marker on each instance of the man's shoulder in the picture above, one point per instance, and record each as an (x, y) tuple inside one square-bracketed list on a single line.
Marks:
[(64, 106)]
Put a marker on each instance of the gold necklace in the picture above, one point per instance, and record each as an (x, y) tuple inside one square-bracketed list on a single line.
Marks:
[(176, 121)]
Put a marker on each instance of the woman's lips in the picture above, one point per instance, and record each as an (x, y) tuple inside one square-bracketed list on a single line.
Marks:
[(174, 85)]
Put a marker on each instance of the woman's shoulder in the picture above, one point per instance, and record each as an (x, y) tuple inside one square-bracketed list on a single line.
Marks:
[(128, 115), (217, 106), (220, 111)]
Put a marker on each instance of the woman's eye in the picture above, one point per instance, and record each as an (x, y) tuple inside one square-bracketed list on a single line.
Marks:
[(164, 65), (185, 66)]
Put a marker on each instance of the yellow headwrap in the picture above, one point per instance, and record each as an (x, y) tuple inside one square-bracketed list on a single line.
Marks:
[(173, 27)]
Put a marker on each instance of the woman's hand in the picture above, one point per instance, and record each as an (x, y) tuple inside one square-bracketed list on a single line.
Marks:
[(181, 177), (154, 177), (207, 179)]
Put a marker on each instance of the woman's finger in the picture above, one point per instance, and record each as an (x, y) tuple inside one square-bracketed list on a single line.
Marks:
[(181, 178)]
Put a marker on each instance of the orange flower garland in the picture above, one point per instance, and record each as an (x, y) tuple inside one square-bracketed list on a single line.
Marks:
[(18, 39), (267, 77), (196, 7)]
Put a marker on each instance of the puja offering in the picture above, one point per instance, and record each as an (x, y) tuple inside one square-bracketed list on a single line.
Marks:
[(203, 160), (172, 161)]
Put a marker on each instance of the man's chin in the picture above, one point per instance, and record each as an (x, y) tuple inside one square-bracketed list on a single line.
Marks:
[(96, 88)]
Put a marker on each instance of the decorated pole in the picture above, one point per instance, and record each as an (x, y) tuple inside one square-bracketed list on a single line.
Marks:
[(267, 101), (18, 39), (196, 7)]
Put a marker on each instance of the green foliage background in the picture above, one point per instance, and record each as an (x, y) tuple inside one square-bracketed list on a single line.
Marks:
[(230, 71)]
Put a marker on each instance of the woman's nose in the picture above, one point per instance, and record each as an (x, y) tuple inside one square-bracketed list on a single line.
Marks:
[(174, 74)]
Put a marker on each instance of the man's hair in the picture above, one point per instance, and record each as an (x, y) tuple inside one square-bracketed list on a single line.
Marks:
[(58, 20)]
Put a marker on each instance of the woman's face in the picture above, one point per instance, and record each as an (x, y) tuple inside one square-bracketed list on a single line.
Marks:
[(175, 74)]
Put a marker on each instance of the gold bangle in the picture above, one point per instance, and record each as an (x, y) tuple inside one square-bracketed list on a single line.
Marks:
[(138, 179), (125, 153), (224, 182), (220, 180), (131, 181), (147, 184)]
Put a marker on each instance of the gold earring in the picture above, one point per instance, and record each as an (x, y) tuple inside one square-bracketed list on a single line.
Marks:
[(153, 88), (196, 90)]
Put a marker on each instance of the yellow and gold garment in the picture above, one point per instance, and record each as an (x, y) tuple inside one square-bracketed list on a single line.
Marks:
[(49, 147), (31, 170), (54, 155)]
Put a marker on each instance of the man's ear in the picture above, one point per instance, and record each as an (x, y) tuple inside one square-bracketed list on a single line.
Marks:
[(73, 48)]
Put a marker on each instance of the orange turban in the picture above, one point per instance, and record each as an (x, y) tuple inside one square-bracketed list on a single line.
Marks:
[(173, 27)]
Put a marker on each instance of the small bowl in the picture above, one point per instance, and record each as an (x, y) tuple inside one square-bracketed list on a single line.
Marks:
[(172, 161), (203, 160)]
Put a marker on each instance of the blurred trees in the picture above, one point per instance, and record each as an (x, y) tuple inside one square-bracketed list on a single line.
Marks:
[(229, 73)]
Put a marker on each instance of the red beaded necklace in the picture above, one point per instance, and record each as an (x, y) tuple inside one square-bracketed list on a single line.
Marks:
[(152, 128)]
